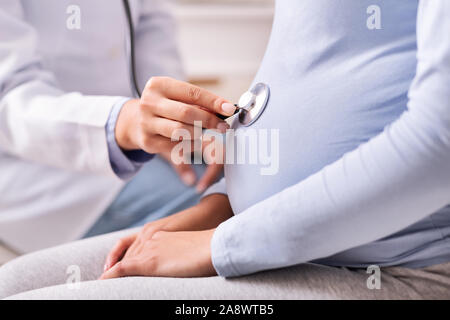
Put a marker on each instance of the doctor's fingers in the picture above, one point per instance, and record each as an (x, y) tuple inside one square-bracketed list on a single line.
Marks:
[(173, 130), (187, 113), (152, 143), (188, 93), (212, 173), (176, 130), (184, 170)]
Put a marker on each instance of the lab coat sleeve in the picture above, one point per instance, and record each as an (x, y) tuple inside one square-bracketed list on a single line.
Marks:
[(157, 26), (38, 121), (394, 180)]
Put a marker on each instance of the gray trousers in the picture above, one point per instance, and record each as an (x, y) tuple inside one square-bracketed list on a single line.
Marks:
[(54, 274)]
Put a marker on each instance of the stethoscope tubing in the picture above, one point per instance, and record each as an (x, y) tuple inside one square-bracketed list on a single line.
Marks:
[(130, 50)]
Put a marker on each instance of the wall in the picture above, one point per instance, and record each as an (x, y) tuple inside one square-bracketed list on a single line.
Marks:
[(222, 42)]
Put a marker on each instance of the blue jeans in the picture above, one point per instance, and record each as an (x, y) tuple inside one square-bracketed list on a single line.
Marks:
[(155, 192)]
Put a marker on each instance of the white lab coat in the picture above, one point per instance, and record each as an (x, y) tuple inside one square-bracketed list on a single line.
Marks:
[(57, 88)]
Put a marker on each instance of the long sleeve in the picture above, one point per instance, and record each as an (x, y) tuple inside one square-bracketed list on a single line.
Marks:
[(125, 164), (38, 121), (396, 179)]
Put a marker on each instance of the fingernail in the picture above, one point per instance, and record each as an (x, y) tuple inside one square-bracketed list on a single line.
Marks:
[(223, 127), (188, 178), (200, 188), (228, 108), (105, 267)]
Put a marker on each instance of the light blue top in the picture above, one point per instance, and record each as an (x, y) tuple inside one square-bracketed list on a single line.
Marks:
[(364, 120)]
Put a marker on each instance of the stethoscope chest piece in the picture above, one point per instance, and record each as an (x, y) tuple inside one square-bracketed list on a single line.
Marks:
[(253, 103)]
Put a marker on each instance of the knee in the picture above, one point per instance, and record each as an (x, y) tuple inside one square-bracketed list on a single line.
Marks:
[(11, 276), (22, 274)]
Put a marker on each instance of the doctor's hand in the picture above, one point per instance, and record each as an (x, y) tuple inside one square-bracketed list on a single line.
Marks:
[(187, 173), (166, 106), (167, 254), (212, 172)]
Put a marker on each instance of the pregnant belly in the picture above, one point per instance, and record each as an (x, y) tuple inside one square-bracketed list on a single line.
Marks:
[(299, 133)]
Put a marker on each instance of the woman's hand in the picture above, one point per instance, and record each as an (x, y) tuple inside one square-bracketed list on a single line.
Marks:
[(167, 254), (166, 106), (208, 214), (121, 247)]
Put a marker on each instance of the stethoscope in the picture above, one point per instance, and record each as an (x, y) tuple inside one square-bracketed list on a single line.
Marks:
[(250, 106)]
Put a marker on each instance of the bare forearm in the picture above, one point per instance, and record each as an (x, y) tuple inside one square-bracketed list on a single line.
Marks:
[(208, 214)]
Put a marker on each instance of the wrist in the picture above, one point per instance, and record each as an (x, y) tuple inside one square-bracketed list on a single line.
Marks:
[(218, 206), (207, 214), (208, 263), (125, 131)]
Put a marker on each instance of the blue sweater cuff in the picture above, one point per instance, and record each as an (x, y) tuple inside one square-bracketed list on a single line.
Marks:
[(125, 164), (220, 253)]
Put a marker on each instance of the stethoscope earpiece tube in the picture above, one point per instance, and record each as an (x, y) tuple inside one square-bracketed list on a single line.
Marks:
[(131, 52)]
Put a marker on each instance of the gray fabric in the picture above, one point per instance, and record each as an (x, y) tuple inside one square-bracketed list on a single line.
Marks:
[(48, 267), (42, 275)]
